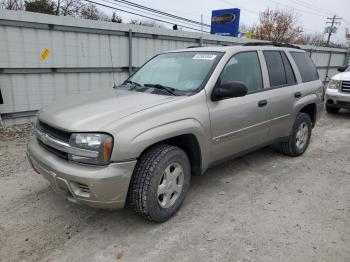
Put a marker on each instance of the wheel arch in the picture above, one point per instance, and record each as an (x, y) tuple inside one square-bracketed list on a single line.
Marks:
[(311, 110), (189, 144)]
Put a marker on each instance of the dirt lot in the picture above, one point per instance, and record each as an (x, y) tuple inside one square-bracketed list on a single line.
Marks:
[(261, 207)]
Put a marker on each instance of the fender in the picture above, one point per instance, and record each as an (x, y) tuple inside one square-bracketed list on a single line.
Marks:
[(154, 135), (304, 101)]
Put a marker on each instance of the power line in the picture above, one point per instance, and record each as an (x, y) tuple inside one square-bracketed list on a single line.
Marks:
[(172, 19), (243, 8), (152, 18), (300, 10), (310, 6), (160, 12)]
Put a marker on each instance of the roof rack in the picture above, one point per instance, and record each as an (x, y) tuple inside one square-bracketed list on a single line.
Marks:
[(193, 46), (271, 44)]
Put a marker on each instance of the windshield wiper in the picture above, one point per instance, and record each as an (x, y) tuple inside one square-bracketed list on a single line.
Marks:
[(170, 90), (132, 83)]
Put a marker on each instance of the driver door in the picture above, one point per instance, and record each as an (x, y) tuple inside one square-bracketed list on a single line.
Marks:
[(241, 123)]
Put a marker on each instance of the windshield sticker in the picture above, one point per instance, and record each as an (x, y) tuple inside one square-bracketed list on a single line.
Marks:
[(204, 56)]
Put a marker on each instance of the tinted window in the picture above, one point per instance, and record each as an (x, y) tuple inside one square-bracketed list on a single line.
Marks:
[(305, 65), (288, 69), (243, 67), (275, 68)]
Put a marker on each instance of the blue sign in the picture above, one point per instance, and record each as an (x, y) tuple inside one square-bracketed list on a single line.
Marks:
[(225, 22)]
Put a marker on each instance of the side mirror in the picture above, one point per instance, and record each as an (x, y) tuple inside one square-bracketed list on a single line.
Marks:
[(229, 90), (341, 68)]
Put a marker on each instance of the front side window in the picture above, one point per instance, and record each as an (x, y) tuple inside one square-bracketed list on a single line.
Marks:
[(243, 67), (305, 65), (180, 71)]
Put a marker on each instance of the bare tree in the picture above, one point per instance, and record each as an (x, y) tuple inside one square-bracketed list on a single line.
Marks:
[(135, 22), (91, 12), (311, 39), (68, 7), (12, 4), (116, 19), (40, 6), (278, 25)]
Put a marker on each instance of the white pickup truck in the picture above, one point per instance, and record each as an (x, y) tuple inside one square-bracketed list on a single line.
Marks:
[(338, 91)]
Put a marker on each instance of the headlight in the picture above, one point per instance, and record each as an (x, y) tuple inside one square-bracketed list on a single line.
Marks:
[(334, 84), (100, 144)]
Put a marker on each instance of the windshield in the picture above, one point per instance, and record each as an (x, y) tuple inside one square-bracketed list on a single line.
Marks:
[(181, 71)]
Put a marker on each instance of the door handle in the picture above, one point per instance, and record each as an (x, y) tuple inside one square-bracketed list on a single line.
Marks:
[(297, 94), (262, 103)]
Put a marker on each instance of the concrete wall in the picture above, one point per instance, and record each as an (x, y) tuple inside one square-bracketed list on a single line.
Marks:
[(88, 55)]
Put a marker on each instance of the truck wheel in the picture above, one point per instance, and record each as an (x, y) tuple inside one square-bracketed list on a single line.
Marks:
[(299, 138), (332, 110), (160, 182)]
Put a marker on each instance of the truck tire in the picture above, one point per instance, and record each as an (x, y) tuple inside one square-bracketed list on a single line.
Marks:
[(332, 110), (160, 182), (299, 139)]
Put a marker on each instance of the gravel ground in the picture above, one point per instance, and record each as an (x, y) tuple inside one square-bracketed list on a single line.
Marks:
[(261, 207)]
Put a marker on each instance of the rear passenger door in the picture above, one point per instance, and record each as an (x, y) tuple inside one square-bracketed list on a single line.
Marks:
[(282, 92)]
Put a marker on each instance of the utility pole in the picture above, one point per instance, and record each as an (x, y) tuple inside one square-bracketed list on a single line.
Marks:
[(331, 29)]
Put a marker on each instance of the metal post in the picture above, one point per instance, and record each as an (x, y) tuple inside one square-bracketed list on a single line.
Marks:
[(130, 52), (329, 62), (347, 57), (201, 41), (202, 24), (311, 53)]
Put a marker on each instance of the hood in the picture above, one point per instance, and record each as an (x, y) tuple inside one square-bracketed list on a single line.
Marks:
[(95, 110), (345, 76)]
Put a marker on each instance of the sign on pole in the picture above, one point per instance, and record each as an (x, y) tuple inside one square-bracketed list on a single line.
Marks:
[(225, 22)]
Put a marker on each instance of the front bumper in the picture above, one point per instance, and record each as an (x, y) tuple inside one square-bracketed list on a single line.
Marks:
[(336, 98), (95, 186)]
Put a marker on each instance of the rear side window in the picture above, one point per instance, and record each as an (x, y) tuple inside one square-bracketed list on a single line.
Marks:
[(288, 69), (275, 67), (305, 65), (279, 68)]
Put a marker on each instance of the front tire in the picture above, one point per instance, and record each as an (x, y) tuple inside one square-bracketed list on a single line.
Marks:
[(160, 182), (300, 136)]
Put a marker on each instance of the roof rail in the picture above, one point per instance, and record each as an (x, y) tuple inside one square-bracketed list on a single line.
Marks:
[(270, 44), (193, 46)]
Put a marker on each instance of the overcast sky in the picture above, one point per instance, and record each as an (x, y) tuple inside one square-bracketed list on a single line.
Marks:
[(311, 13)]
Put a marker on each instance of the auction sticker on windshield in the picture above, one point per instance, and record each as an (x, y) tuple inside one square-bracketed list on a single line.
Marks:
[(204, 56)]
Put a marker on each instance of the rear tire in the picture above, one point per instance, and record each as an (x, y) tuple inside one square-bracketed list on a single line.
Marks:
[(161, 172), (332, 110), (300, 136)]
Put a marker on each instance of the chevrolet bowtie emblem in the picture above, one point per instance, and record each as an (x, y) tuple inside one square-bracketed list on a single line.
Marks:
[(44, 138)]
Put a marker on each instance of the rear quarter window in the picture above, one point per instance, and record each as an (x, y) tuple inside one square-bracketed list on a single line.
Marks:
[(306, 66)]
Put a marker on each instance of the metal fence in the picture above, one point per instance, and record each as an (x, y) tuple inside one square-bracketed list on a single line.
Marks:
[(87, 55)]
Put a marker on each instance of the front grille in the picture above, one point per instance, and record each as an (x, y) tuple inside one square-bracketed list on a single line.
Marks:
[(344, 104), (345, 86), (54, 132), (54, 151)]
